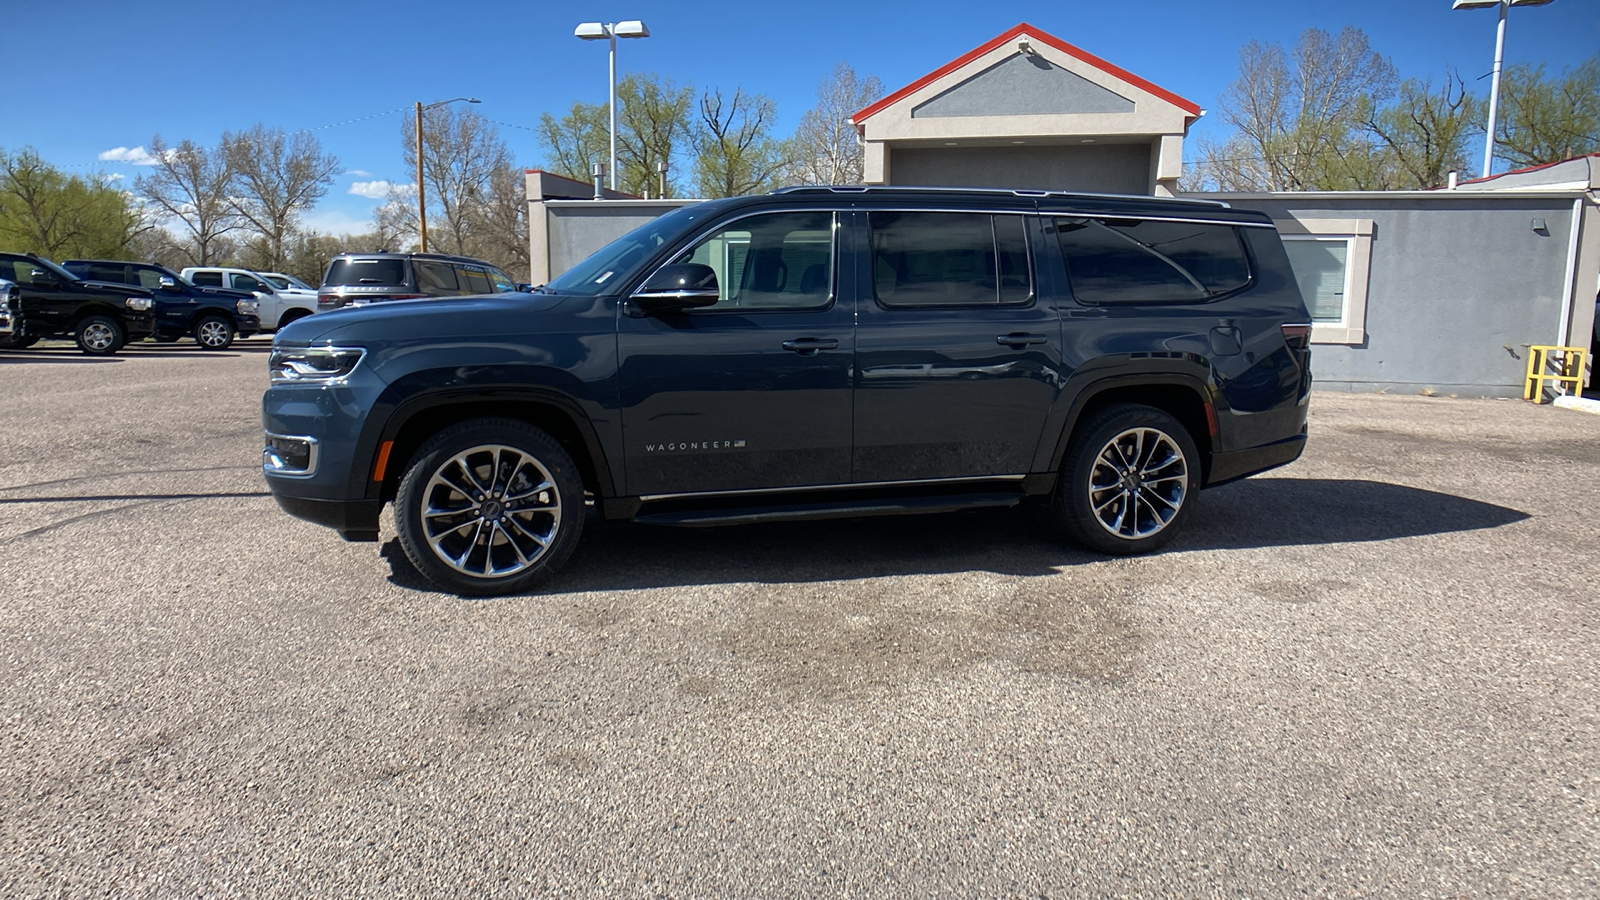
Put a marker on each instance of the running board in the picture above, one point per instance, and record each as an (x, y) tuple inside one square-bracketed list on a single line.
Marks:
[(705, 518)]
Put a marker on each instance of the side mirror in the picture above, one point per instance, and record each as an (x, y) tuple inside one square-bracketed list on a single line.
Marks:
[(678, 286), (524, 288), (168, 283)]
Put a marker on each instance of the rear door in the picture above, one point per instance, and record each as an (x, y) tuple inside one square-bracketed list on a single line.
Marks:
[(755, 392), (958, 359)]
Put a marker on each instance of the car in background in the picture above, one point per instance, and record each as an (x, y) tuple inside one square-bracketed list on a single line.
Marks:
[(356, 279), (285, 282), (10, 319), (100, 317), (279, 307), (211, 315)]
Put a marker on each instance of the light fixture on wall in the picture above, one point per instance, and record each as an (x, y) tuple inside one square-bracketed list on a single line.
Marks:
[(1024, 47)]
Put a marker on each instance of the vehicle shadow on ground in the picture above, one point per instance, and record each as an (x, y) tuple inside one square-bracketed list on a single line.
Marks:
[(1264, 512), (52, 356)]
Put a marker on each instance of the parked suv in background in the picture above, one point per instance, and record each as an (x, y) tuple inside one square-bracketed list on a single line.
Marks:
[(100, 317), (809, 353), (356, 279), (212, 315), (278, 307)]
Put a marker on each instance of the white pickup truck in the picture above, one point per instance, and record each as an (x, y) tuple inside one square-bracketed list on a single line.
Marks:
[(279, 306)]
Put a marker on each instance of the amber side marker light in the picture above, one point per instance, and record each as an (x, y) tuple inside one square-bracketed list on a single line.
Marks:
[(383, 460)]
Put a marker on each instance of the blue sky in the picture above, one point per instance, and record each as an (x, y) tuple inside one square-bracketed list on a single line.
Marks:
[(102, 75)]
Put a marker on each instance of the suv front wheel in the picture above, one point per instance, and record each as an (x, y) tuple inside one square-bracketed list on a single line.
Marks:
[(490, 506), (1128, 480)]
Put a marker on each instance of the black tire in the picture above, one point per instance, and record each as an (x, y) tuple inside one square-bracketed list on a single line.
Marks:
[(213, 333), (1099, 489), (289, 316), (18, 341), (99, 335), (529, 537)]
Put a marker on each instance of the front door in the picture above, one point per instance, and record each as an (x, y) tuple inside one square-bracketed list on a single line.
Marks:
[(754, 392), (47, 301), (959, 359)]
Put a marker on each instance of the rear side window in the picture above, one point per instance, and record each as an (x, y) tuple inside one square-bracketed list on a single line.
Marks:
[(1136, 261), (436, 279), (949, 259), (207, 279), (366, 271), (104, 272), (775, 261)]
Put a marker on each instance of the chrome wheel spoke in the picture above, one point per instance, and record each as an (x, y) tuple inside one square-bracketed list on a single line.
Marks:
[(1138, 483), (480, 501)]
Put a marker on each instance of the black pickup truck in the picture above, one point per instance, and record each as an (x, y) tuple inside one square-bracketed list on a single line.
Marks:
[(53, 302), (212, 315)]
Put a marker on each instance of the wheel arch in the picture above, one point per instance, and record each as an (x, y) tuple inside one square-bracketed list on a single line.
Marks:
[(418, 419), (1184, 397)]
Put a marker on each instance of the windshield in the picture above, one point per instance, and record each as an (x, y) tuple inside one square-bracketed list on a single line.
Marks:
[(614, 262), (277, 280), (60, 272), (287, 281)]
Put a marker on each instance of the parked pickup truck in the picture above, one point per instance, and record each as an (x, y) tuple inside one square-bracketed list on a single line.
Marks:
[(211, 315), (804, 354), (100, 317), (10, 315), (279, 306)]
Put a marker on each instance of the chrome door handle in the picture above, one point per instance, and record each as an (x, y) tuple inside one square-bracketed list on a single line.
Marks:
[(1021, 340), (809, 346)]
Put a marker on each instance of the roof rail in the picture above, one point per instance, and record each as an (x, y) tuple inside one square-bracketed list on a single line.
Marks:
[(1016, 192)]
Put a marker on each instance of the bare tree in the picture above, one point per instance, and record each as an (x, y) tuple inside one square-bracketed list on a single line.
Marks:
[(1548, 119), (1295, 115), (502, 235), (461, 151), (736, 153), (827, 149), (276, 178), (1423, 134), (190, 184)]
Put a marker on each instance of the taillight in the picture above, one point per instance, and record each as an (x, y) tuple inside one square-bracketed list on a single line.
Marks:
[(407, 297), (1298, 337), (327, 300)]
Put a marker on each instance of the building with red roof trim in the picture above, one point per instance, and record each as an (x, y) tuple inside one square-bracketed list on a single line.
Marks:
[(1029, 110)]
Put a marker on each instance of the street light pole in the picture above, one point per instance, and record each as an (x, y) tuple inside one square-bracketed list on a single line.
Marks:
[(422, 200), (1504, 7), (595, 31)]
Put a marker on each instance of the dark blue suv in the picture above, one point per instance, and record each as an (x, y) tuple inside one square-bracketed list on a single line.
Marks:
[(811, 353)]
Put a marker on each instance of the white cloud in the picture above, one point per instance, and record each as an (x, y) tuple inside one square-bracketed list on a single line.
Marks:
[(137, 155), (361, 173), (379, 190), (112, 176), (333, 221)]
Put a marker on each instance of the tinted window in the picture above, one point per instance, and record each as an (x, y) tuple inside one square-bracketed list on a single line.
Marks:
[(776, 261), (116, 274), (1132, 261), (366, 271), (473, 279), (501, 281), (149, 278), (435, 279), (241, 282), (209, 279), (278, 281), (949, 259)]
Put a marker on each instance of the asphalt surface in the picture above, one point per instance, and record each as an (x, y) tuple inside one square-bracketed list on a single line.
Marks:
[(1372, 673)]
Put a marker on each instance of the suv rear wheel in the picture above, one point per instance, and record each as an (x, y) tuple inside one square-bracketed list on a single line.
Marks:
[(1128, 480), (99, 335), (490, 506)]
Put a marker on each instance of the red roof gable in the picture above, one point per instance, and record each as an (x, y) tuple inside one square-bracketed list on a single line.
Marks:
[(1187, 106)]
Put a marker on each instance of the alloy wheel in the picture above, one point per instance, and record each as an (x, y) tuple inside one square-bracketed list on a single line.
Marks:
[(1138, 483), (490, 511)]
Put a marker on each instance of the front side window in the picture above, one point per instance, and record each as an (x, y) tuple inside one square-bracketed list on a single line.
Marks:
[(150, 279), (949, 259), (770, 262), (473, 279), (501, 282), (1137, 261), (247, 283)]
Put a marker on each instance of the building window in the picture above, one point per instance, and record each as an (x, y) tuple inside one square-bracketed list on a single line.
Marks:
[(1331, 259)]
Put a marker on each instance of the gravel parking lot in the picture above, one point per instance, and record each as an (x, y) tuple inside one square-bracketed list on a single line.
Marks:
[(1372, 673)]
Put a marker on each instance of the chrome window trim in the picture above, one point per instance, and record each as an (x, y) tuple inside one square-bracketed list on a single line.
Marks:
[(833, 261), (964, 479)]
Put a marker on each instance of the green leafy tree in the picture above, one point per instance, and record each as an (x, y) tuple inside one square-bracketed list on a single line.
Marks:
[(1545, 120), (735, 152), (45, 211), (653, 119), (576, 141)]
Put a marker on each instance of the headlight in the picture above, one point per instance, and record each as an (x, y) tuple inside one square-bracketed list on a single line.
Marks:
[(247, 307), (139, 304), (313, 365)]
